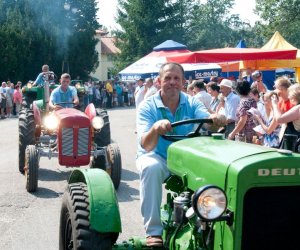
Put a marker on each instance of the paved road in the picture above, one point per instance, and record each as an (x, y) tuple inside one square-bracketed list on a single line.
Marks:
[(31, 221)]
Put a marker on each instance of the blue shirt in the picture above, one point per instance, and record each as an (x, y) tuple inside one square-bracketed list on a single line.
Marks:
[(119, 89), (153, 110), (232, 102), (58, 96), (40, 80)]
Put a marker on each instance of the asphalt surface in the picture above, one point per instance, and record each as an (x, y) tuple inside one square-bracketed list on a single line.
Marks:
[(31, 221)]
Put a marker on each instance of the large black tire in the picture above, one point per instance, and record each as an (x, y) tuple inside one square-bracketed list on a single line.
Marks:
[(114, 159), (31, 168), (103, 138), (27, 100), (74, 230), (26, 134)]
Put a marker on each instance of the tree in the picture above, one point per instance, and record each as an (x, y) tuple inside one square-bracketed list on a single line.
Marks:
[(34, 33), (145, 24), (212, 26), (282, 16)]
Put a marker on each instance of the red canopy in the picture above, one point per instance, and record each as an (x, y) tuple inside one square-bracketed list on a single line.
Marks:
[(232, 54)]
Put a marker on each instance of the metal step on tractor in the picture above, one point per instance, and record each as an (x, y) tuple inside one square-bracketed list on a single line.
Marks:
[(77, 138), (222, 194)]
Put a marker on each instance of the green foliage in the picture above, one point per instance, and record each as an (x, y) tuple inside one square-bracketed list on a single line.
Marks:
[(282, 16), (34, 33), (211, 25), (146, 24)]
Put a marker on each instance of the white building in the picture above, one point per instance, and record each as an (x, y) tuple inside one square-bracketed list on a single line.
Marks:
[(106, 50)]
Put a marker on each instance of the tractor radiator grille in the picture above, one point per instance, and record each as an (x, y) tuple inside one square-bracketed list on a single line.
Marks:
[(271, 218), (67, 141), (83, 141)]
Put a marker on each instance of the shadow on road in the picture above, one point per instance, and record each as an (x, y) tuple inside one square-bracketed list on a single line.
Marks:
[(53, 175), (128, 175), (46, 193), (127, 193)]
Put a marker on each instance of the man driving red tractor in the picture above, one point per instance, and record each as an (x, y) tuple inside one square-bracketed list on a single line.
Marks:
[(64, 95)]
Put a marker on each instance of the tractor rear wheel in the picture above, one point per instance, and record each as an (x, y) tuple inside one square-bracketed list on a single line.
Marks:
[(75, 231), (26, 134), (114, 158), (31, 168), (103, 137)]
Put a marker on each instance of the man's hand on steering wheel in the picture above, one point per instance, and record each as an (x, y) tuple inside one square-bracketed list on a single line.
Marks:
[(162, 127), (57, 107), (218, 120)]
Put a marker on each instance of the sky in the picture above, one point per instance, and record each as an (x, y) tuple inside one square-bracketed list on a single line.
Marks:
[(108, 10)]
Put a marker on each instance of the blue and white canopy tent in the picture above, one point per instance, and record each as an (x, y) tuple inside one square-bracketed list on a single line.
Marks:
[(149, 65)]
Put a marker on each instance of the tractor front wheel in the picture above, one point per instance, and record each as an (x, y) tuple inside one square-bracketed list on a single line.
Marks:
[(75, 231), (26, 134), (31, 168), (103, 137), (114, 158)]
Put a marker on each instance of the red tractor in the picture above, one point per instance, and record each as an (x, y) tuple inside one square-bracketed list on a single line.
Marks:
[(76, 138)]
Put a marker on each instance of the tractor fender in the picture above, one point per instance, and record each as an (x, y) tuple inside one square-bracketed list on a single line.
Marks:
[(90, 111), (104, 208)]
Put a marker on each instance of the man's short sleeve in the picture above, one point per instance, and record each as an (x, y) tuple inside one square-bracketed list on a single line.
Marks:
[(145, 119), (39, 80), (73, 91), (201, 111), (53, 96)]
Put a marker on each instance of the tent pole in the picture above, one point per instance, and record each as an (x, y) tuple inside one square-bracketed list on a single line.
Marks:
[(227, 69)]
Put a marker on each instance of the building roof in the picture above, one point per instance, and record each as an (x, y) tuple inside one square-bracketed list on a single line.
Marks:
[(108, 45), (101, 32)]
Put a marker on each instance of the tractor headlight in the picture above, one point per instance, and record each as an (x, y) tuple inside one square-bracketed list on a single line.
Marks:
[(51, 122), (97, 122), (209, 202)]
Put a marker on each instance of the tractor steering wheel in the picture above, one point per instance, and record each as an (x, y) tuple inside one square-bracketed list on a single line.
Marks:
[(63, 103), (195, 133), (59, 103)]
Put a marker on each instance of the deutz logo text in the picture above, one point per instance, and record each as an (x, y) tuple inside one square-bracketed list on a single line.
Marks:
[(279, 172)]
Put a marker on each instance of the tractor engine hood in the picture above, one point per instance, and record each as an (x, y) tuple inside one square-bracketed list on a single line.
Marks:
[(205, 160), (74, 137)]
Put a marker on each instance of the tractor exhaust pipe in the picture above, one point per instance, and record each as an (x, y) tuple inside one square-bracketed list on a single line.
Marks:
[(48, 76), (46, 95)]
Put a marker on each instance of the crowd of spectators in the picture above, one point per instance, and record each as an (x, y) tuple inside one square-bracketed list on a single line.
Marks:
[(109, 94), (10, 99), (253, 113)]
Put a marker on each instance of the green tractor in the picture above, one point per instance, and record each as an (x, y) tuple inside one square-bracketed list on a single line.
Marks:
[(76, 138), (78, 84), (222, 195)]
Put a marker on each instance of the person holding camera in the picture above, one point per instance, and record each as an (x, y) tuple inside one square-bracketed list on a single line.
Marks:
[(292, 116), (269, 128), (258, 82), (281, 90)]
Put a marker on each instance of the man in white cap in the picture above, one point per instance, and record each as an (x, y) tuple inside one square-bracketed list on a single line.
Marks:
[(232, 101)]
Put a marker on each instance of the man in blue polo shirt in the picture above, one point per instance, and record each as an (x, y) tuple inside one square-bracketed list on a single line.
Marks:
[(154, 119), (64, 95), (40, 80)]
